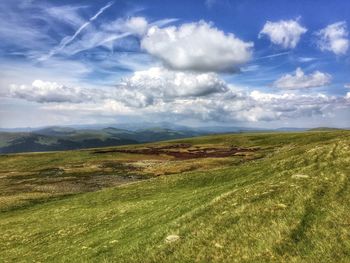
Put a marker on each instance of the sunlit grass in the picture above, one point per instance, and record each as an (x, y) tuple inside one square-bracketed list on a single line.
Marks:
[(289, 205)]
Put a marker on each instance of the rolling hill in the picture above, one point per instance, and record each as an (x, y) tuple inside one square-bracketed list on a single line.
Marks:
[(66, 138), (63, 138), (259, 197)]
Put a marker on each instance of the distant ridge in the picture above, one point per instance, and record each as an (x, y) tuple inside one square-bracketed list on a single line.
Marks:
[(61, 138), (66, 138)]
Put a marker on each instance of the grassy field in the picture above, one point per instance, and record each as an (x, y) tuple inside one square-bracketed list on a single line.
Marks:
[(279, 197)]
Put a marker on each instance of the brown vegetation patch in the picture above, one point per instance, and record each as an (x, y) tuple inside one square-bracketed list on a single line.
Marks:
[(184, 151)]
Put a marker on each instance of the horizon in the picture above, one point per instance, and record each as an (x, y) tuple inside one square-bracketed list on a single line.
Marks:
[(110, 62), (164, 125)]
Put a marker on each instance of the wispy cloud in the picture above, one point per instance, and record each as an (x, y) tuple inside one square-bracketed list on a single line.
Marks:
[(273, 55), (20, 31), (67, 14), (65, 41), (306, 59)]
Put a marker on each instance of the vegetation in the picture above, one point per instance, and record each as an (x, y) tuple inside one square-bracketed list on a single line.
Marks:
[(281, 197)]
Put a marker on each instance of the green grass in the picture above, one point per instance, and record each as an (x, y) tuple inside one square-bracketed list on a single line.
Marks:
[(292, 205)]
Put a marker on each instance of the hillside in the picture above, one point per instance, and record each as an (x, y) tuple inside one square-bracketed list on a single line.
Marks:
[(273, 197), (65, 138)]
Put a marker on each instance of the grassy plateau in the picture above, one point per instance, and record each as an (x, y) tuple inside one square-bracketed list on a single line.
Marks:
[(263, 197)]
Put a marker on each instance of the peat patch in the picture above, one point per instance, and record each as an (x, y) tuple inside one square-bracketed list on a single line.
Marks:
[(186, 151)]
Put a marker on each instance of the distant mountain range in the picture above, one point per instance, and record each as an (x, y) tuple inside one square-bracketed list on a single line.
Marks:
[(59, 138), (66, 138)]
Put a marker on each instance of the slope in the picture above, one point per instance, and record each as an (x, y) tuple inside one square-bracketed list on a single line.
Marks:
[(290, 206)]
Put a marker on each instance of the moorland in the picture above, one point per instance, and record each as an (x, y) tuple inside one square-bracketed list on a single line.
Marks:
[(251, 197)]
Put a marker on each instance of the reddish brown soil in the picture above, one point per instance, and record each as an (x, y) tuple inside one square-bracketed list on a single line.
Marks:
[(173, 150)]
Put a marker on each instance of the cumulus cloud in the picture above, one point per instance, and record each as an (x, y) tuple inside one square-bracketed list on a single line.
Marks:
[(141, 89), (300, 81), (160, 93), (217, 101), (347, 96), (144, 87), (334, 38), (252, 106), (285, 33), (45, 91), (196, 46)]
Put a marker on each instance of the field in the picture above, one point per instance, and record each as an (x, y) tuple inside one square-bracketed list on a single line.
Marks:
[(264, 197)]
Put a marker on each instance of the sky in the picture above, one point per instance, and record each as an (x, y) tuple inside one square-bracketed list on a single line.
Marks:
[(256, 63)]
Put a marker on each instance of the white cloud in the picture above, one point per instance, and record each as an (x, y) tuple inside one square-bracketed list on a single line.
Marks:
[(347, 96), (225, 104), (66, 13), (285, 33), (141, 89), (136, 25), (44, 92), (231, 106), (107, 107), (347, 85), (69, 72), (144, 87), (334, 38), (256, 106), (300, 81), (197, 46)]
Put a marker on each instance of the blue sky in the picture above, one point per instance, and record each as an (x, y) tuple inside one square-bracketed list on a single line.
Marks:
[(245, 63)]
